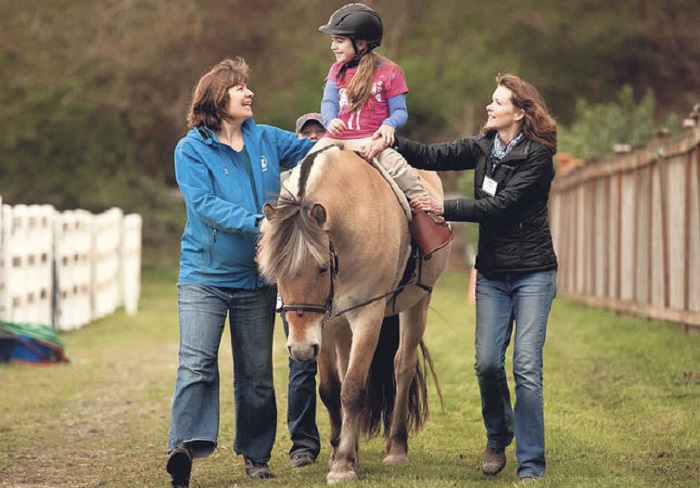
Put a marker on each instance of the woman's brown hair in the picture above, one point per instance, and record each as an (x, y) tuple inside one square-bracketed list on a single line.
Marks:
[(210, 95), (538, 124)]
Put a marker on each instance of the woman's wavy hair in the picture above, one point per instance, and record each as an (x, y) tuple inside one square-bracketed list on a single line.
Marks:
[(538, 124), (210, 95)]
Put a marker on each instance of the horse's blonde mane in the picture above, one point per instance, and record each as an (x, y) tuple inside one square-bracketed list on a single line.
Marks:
[(321, 168), (291, 235)]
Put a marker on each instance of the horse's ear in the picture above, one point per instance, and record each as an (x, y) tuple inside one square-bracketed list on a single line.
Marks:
[(269, 210), (318, 212)]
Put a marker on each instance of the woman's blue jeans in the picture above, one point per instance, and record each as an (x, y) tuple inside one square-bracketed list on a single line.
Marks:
[(195, 405), (516, 305)]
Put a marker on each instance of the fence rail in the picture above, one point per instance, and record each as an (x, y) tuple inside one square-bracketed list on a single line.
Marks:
[(626, 229), (67, 268)]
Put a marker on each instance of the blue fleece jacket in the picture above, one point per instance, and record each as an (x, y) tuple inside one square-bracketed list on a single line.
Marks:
[(223, 216)]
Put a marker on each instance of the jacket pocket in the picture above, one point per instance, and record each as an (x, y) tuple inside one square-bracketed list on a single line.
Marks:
[(504, 174), (211, 245)]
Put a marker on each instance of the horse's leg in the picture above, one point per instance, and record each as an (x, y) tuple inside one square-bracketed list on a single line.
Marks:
[(343, 343), (365, 326), (330, 379), (413, 323)]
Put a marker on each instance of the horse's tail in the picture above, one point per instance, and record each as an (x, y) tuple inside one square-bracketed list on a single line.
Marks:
[(381, 384)]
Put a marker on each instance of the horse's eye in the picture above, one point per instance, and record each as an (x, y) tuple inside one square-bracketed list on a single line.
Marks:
[(323, 269)]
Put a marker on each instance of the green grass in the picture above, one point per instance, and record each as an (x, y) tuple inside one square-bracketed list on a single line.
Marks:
[(621, 402)]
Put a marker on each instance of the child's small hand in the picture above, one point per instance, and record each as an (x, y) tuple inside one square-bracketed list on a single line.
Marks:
[(336, 126), (386, 134)]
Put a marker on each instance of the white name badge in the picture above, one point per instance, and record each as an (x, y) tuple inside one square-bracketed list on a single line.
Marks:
[(489, 186)]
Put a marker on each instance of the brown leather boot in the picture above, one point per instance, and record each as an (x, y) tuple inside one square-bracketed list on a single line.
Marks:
[(431, 233), (493, 461)]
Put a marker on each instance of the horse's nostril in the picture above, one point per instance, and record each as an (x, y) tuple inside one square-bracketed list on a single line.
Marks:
[(316, 350), (289, 351)]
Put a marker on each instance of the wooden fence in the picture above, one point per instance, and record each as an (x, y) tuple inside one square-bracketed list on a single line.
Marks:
[(626, 229), (67, 269)]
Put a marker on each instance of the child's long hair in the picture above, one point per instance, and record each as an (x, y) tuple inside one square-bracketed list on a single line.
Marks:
[(360, 87)]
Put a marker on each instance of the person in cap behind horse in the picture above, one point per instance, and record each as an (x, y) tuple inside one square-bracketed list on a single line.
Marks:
[(301, 392), (310, 126)]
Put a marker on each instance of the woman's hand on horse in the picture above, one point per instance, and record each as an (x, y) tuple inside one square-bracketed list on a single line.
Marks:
[(427, 203), (373, 149), (336, 126)]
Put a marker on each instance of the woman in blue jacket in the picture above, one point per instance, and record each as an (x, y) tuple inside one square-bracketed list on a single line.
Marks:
[(227, 167)]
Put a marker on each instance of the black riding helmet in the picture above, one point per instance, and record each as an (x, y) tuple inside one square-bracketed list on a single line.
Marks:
[(356, 21)]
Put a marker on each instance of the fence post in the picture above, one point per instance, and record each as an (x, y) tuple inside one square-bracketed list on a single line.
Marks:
[(131, 262), (73, 249), (106, 242)]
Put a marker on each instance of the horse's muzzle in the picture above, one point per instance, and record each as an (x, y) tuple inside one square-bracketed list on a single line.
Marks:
[(304, 354)]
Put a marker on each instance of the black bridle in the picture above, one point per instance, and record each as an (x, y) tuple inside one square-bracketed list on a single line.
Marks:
[(325, 309), (300, 308)]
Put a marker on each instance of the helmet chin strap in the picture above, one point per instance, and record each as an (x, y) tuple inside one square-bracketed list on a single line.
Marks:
[(350, 64), (355, 60), (358, 53)]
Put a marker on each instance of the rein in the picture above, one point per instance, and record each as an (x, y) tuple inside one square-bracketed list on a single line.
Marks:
[(325, 309)]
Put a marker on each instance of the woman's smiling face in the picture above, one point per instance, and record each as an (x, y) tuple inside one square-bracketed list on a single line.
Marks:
[(240, 100), (502, 115)]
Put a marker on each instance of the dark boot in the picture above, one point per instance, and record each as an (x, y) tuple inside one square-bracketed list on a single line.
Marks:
[(431, 233), (179, 466), (259, 470)]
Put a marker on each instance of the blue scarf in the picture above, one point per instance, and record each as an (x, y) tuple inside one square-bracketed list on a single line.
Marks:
[(499, 150)]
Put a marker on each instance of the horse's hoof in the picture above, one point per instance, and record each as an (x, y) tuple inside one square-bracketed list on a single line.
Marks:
[(346, 476), (396, 459)]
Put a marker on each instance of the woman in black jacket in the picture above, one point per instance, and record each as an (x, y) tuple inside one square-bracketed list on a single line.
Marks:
[(513, 172)]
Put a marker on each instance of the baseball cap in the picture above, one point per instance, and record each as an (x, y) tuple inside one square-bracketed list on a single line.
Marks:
[(313, 116)]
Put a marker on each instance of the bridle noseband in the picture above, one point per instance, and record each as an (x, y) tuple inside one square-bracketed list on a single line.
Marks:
[(325, 310)]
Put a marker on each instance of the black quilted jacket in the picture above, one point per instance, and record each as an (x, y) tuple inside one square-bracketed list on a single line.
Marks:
[(514, 234)]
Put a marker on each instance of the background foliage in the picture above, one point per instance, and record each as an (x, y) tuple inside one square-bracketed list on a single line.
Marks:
[(93, 94)]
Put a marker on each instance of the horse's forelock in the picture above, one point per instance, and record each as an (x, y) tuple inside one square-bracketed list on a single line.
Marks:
[(290, 238)]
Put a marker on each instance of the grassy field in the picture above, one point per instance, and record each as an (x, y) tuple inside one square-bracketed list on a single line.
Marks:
[(622, 397)]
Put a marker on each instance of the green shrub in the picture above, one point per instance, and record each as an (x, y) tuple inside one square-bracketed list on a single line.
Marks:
[(597, 127)]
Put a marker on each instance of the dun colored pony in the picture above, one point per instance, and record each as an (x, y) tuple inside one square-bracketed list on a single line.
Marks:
[(336, 244)]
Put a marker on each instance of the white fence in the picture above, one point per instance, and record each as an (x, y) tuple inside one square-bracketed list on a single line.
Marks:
[(67, 268)]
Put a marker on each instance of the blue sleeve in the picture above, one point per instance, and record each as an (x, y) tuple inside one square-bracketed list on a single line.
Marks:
[(290, 148), (194, 180), (330, 101), (398, 113)]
